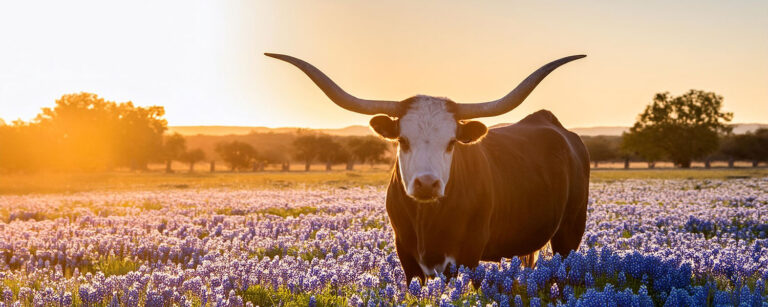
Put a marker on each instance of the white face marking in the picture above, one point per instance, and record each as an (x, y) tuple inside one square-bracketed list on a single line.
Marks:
[(440, 268), (429, 128)]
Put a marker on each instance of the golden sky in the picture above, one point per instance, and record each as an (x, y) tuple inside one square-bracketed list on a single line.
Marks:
[(203, 60)]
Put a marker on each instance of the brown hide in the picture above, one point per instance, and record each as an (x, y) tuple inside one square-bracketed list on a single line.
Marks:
[(508, 195)]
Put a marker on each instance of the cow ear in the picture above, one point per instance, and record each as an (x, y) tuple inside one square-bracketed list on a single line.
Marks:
[(386, 127), (471, 132)]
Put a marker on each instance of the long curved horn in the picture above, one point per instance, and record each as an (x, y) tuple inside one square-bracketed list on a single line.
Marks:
[(338, 95), (514, 98)]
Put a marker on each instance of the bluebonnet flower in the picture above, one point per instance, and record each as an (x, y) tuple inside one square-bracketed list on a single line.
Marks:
[(588, 280), (389, 292), (621, 279), (624, 298), (434, 287), (454, 294), (488, 288), (678, 297), (154, 299), (84, 292), (7, 294), (562, 274), (643, 299), (192, 260), (568, 291), (745, 297), (722, 298), (415, 287), (355, 301), (503, 300), (66, 299), (114, 302), (554, 291), (518, 301), (535, 302), (531, 287)]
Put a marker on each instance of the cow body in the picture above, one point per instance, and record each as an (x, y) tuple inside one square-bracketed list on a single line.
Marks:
[(461, 193), (522, 186)]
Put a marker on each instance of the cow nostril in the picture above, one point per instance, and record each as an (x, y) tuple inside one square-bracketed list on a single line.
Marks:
[(417, 183)]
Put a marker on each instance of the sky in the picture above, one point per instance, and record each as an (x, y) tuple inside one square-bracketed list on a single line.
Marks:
[(203, 60)]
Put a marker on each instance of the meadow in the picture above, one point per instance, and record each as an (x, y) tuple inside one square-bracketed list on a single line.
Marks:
[(654, 237)]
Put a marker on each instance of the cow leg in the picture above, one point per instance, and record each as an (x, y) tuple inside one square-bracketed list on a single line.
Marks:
[(529, 261), (411, 267), (568, 236)]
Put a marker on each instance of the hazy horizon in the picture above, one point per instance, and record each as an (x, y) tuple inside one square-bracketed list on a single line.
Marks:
[(203, 60)]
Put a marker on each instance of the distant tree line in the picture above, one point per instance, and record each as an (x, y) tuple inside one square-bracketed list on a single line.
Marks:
[(84, 132), (681, 129), (307, 147)]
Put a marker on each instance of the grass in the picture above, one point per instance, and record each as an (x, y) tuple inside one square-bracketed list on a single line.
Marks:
[(126, 181), (261, 296), (668, 173), (286, 212)]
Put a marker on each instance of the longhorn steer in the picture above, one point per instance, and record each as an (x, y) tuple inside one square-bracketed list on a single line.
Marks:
[(460, 193)]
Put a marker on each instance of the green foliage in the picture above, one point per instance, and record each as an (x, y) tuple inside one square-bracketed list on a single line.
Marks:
[(601, 148), (84, 132), (151, 205), (681, 128), (174, 146), (641, 143), (262, 296), (113, 265), (752, 146), (192, 157), (329, 151), (286, 212), (237, 154), (369, 149), (310, 146)]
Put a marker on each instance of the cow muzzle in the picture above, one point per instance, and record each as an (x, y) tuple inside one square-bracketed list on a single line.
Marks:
[(426, 188)]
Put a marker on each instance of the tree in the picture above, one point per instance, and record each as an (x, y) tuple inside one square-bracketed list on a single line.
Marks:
[(641, 144), (683, 128), (369, 149), (757, 146), (751, 146), (86, 132), (729, 149), (237, 154), (27, 147), (174, 147), (192, 157), (306, 148), (600, 148), (139, 135), (330, 152)]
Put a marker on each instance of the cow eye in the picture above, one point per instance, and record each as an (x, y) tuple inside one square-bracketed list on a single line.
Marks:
[(404, 145), (450, 145)]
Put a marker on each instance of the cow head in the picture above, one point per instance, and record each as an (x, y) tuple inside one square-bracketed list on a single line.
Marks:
[(426, 128)]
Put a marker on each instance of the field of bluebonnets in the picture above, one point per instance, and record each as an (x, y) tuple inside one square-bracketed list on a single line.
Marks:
[(675, 242)]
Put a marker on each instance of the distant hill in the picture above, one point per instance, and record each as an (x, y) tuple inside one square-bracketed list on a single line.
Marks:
[(744, 128), (243, 130), (364, 130), (593, 131)]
